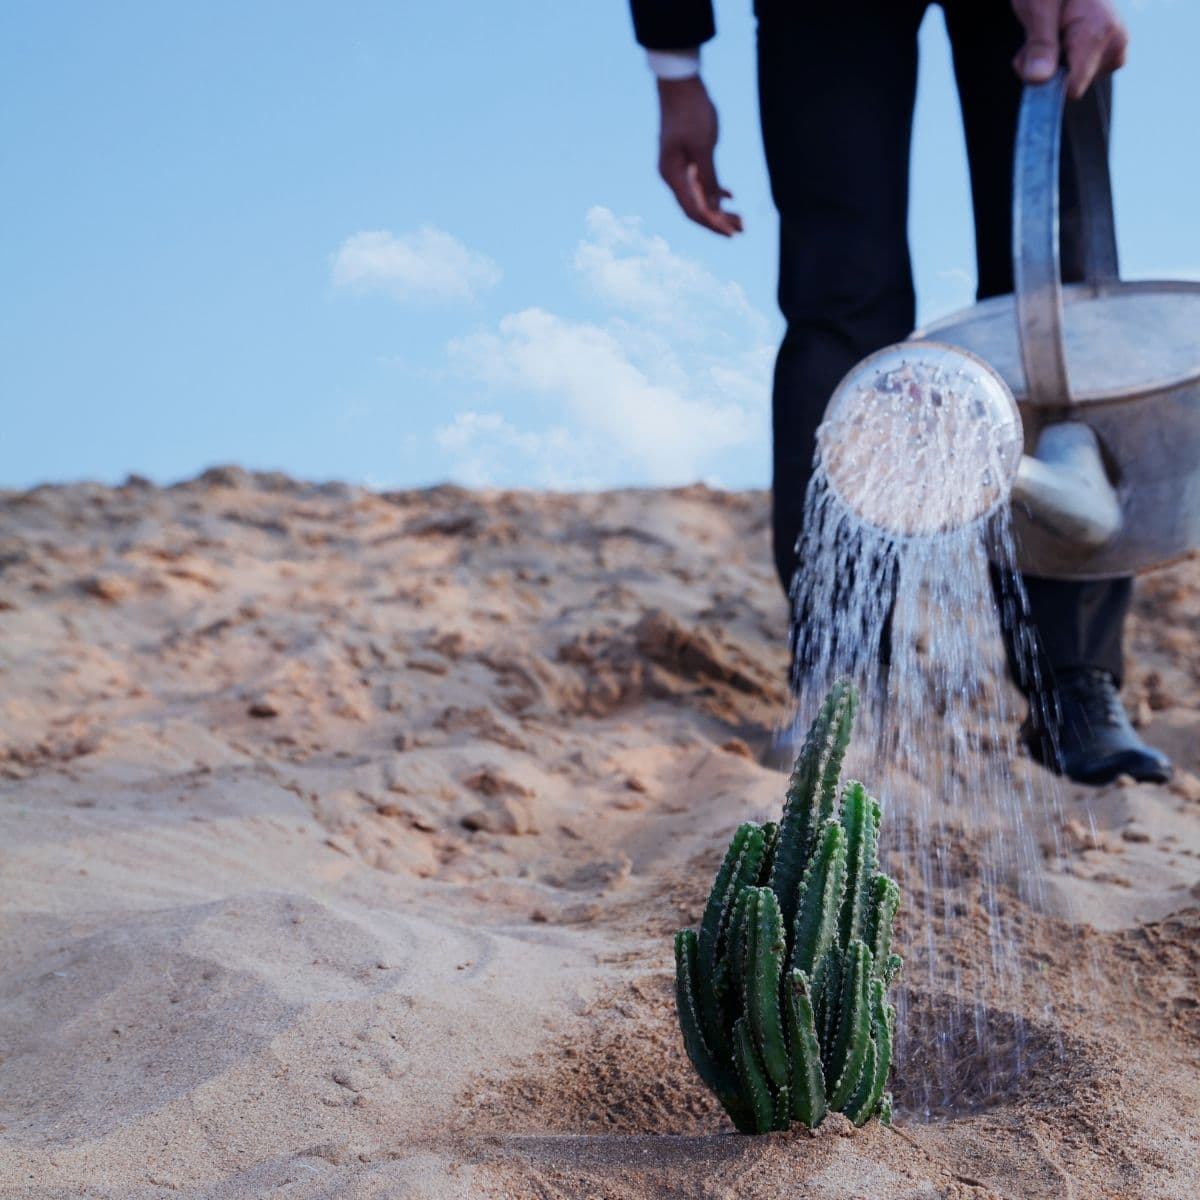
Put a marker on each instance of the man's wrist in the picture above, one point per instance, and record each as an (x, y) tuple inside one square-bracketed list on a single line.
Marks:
[(672, 65)]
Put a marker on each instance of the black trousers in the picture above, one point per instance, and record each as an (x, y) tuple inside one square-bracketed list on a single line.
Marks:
[(837, 84)]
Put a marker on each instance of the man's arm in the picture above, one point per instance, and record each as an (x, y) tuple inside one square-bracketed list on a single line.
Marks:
[(672, 32), (686, 141)]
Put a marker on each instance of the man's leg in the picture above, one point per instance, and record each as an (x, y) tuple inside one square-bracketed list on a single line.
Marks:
[(836, 90), (1078, 626)]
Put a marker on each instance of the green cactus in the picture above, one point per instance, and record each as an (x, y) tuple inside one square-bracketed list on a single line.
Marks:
[(782, 993)]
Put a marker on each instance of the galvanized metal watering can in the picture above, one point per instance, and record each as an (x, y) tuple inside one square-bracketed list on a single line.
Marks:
[(1097, 382)]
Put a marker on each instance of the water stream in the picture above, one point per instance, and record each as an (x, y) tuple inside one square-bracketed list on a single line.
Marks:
[(966, 833)]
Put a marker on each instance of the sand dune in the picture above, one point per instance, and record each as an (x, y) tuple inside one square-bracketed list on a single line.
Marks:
[(343, 835)]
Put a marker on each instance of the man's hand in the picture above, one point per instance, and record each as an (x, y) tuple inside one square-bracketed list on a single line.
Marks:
[(1088, 32), (687, 139)]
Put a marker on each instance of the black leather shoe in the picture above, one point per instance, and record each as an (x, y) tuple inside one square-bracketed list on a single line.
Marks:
[(1092, 740)]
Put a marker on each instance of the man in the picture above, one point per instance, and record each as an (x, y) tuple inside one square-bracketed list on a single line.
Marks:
[(837, 82)]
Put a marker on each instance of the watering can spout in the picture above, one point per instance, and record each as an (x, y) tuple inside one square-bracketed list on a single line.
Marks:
[(922, 438), (1064, 487)]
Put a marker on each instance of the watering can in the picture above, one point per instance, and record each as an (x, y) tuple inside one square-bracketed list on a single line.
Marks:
[(1078, 403)]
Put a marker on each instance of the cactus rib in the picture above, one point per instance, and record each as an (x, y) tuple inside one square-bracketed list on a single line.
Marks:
[(807, 1081)]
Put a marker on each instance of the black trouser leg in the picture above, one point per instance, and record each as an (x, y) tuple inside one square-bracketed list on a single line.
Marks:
[(836, 89), (1077, 624)]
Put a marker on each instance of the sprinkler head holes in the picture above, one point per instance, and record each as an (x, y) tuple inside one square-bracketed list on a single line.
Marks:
[(921, 438)]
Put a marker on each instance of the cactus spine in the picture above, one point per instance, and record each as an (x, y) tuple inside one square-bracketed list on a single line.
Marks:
[(782, 993)]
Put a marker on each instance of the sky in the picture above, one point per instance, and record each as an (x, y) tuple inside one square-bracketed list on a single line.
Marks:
[(401, 243)]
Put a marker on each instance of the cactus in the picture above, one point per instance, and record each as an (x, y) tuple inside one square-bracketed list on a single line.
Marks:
[(782, 993)]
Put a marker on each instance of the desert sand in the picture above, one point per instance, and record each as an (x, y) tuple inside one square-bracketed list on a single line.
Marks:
[(343, 836)]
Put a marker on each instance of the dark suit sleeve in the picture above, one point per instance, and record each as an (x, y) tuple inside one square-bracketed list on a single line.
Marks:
[(672, 24)]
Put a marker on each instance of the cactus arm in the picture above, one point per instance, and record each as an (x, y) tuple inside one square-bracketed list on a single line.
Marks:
[(735, 951), (694, 1041), (823, 752), (891, 970), (885, 1109), (841, 725), (807, 1080), (868, 1094), (858, 1107), (820, 899), (860, 822), (741, 866), (854, 1028), (883, 1023), (855, 819), (755, 1088), (795, 829), (765, 948), (881, 915)]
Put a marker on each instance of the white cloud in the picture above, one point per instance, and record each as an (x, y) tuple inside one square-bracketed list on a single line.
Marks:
[(647, 429), (667, 378), (486, 447), (427, 264), (642, 275)]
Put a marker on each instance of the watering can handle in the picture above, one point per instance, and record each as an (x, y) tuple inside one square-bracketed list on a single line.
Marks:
[(1036, 268)]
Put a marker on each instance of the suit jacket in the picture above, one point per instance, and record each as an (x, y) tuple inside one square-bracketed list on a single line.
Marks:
[(672, 24)]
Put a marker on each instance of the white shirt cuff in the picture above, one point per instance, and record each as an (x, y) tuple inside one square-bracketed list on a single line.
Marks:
[(674, 64)]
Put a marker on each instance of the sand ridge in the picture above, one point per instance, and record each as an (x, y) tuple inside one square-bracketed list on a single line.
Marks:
[(343, 835)]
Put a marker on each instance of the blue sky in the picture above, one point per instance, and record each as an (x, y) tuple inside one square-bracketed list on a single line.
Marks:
[(400, 243)]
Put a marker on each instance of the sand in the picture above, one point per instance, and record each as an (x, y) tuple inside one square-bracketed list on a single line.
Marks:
[(342, 836)]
